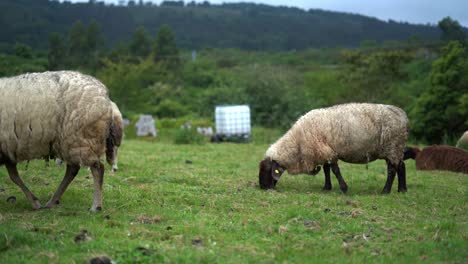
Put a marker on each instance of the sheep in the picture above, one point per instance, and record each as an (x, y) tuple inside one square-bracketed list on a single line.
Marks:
[(439, 158), (354, 133), (463, 141), (117, 119), (62, 114)]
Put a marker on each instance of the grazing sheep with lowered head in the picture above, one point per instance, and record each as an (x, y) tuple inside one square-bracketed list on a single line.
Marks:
[(354, 133), (63, 114), (439, 158)]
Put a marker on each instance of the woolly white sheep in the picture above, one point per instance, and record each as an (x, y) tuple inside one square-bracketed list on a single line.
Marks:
[(354, 133), (63, 114)]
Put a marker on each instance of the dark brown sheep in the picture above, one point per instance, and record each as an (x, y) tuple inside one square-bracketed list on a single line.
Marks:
[(439, 158)]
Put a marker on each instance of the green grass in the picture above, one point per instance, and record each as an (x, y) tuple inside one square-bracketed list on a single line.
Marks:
[(213, 211)]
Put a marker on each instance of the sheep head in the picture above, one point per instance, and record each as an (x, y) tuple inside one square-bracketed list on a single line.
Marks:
[(269, 173), (410, 153)]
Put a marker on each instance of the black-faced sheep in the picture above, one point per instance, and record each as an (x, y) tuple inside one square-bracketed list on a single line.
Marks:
[(64, 114), (439, 158), (354, 133)]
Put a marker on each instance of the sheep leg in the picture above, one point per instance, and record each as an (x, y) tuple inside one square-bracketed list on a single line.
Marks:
[(98, 175), (326, 171), (14, 176), (71, 172), (341, 181), (401, 172), (114, 163), (391, 171)]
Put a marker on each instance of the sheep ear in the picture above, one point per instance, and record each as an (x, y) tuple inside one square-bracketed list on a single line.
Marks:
[(276, 170)]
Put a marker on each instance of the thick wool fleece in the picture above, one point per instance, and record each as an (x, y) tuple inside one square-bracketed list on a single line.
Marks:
[(463, 141), (354, 133), (442, 158), (118, 123), (63, 114)]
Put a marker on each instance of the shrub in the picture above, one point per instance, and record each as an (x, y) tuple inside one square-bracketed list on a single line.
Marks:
[(188, 136)]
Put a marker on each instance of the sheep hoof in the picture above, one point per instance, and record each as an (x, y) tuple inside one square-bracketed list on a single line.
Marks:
[(385, 191), (326, 188), (96, 209), (51, 204), (36, 205), (403, 190), (344, 189)]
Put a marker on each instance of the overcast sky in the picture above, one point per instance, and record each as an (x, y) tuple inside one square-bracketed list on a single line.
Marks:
[(413, 11)]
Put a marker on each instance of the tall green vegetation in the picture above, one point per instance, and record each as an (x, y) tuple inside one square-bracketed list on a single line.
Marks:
[(81, 49), (451, 30), (440, 113), (165, 52), (140, 45), (150, 74), (199, 25), (375, 77)]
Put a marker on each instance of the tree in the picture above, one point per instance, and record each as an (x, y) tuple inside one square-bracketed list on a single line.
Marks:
[(370, 77), (94, 38), (451, 30), (165, 49), (140, 45), (439, 113), (57, 51), (84, 44), (128, 84), (77, 43), (23, 51), (94, 41)]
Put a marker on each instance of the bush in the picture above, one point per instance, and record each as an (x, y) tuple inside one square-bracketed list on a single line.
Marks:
[(170, 108), (262, 135), (164, 123), (188, 136)]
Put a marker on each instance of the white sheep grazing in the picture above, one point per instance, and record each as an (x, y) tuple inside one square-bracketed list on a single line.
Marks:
[(63, 114), (354, 133)]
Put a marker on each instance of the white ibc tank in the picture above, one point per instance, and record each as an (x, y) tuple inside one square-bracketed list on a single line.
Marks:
[(232, 120)]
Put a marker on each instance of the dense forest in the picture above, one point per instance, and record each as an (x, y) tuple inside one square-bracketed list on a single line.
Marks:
[(242, 25), (158, 73)]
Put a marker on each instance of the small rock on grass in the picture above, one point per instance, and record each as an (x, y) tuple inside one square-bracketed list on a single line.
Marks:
[(145, 251), (197, 242), (82, 236), (352, 203), (143, 219), (11, 199), (101, 260), (311, 224)]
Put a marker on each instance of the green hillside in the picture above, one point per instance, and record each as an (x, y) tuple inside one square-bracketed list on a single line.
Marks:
[(242, 25)]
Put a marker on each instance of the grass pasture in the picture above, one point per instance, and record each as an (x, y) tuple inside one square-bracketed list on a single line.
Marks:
[(158, 208)]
